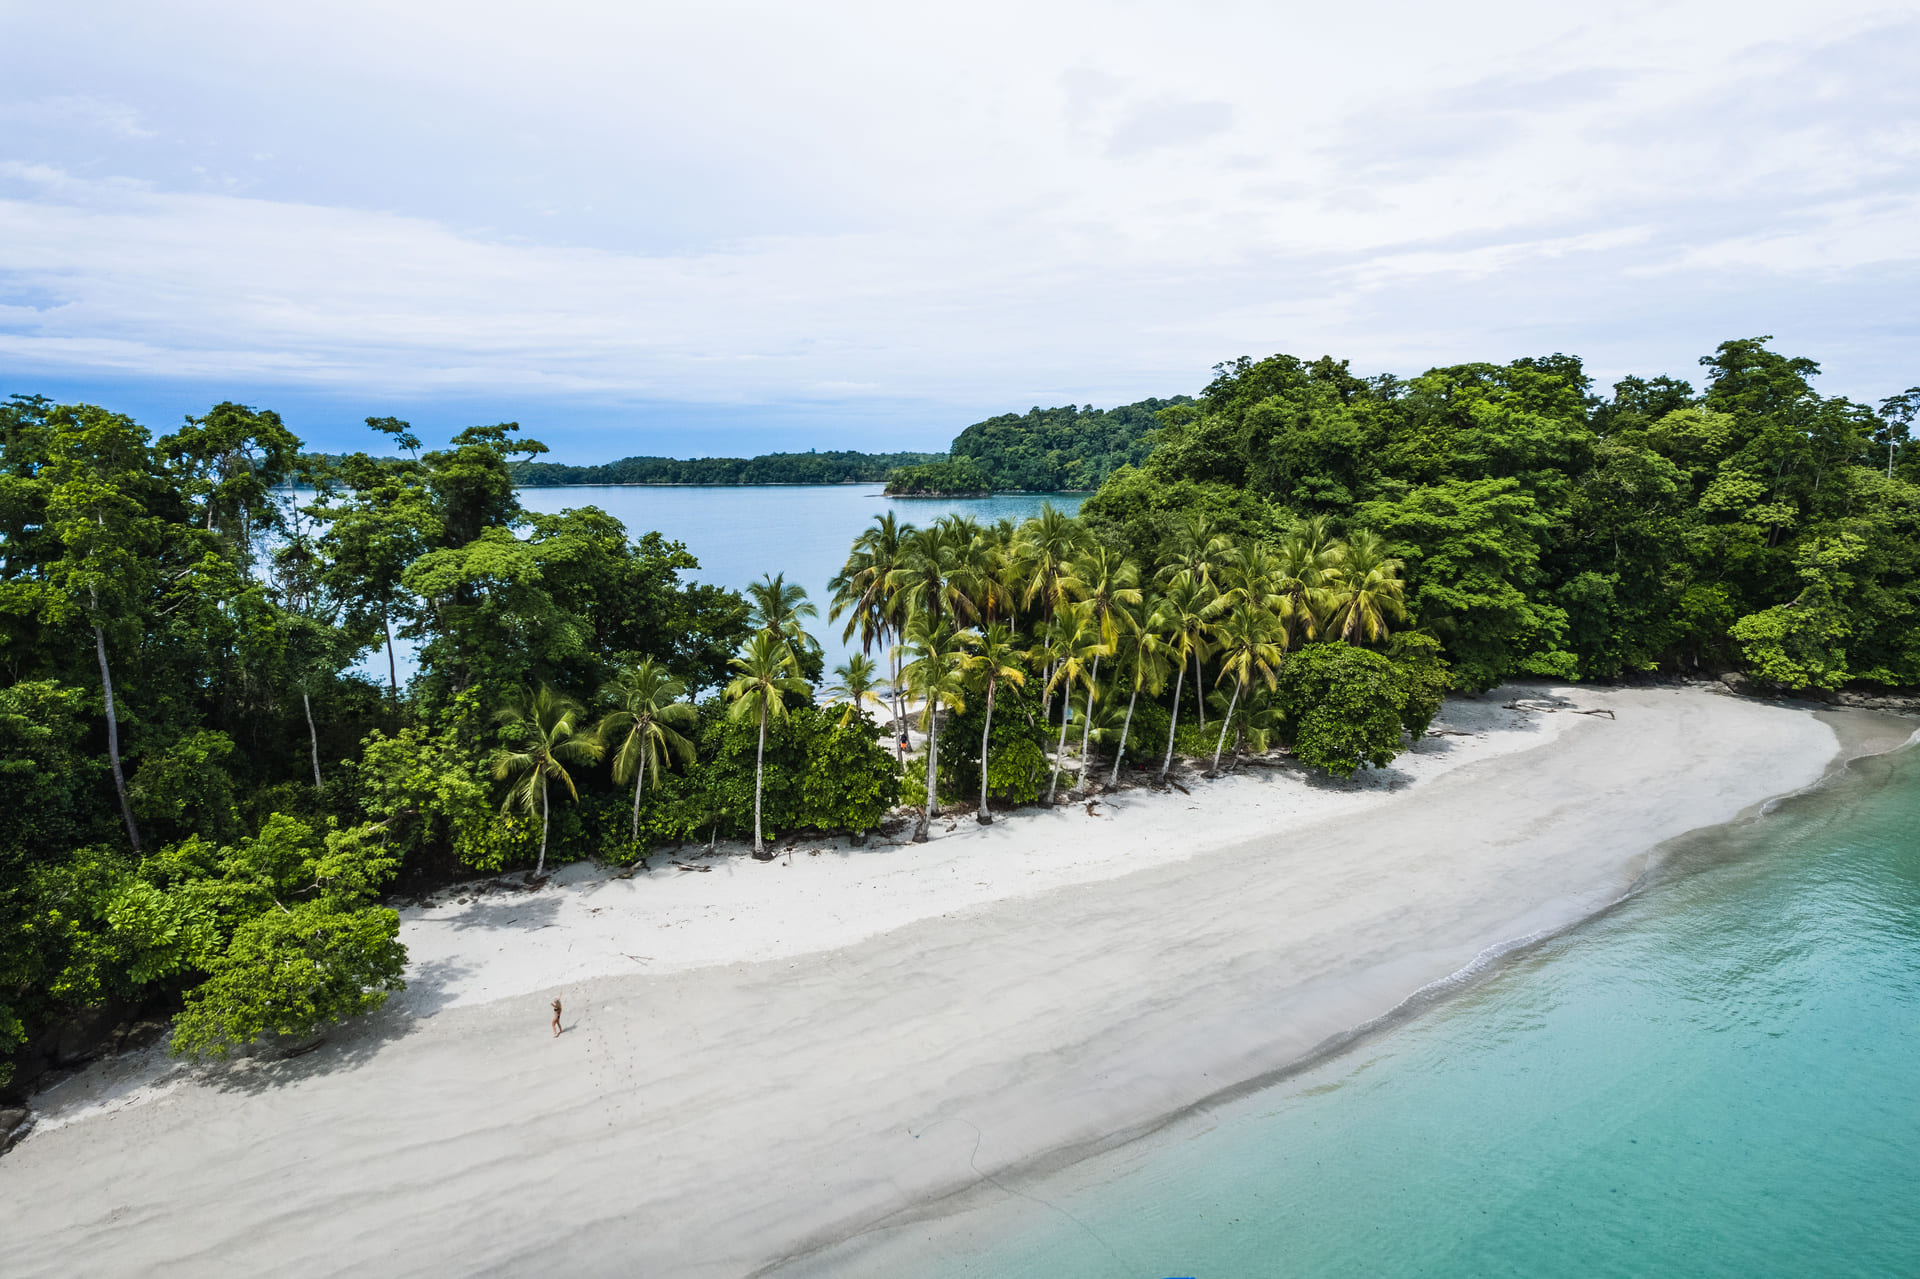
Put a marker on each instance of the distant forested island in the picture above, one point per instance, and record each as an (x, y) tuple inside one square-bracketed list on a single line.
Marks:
[(1041, 451), (837, 467)]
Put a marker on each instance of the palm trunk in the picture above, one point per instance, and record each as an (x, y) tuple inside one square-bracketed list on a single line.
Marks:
[(1121, 754), (1053, 782), (313, 741), (985, 817), (393, 669), (639, 779), (1167, 763), (1199, 690), (933, 756), (899, 711), (1224, 725), (759, 772), (1086, 729), (113, 738), (541, 868)]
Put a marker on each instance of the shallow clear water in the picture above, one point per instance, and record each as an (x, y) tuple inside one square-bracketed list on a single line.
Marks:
[(1719, 1077), (738, 534)]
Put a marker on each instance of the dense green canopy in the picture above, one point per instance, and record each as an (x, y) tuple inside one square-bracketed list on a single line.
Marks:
[(1548, 530)]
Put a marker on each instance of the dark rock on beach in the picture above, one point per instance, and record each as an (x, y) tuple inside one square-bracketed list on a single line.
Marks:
[(14, 1123)]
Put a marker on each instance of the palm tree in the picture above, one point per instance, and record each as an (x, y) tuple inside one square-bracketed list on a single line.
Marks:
[(647, 716), (996, 659), (919, 584), (977, 576), (1304, 566), (778, 608), (1143, 665), (1195, 547), (855, 680), (1180, 616), (1073, 643), (1253, 576), (863, 590), (937, 675), (1247, 652), (553, 723), (1109, 584), (1199, 551), (768, 672), (1042, 549), (1367, 590)]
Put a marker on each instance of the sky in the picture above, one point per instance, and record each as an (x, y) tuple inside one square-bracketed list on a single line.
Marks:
[(719, 228)]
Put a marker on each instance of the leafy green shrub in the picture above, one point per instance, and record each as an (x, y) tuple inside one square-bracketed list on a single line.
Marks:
[(851, 780), (1147, 737), (283, 926), (1017, 763), (1428, 678), (1344, 707), (1192, 740)]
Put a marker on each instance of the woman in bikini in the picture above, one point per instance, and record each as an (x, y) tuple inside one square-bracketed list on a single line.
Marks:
[(556, 1019)]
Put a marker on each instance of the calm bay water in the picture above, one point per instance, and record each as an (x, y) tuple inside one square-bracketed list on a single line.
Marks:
[(738, 534), (1716, 1078)]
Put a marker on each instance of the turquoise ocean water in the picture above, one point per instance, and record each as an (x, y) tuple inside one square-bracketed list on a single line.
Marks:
[(1721, 1076)]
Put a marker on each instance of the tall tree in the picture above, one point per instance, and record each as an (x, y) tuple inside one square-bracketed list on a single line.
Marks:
[(937, 676), (226, 464), (98, 468), (1247, 653), (1143, 668), (384, 521), (919, 584), (552, 734), (1109, 585), (1180, 616), (863, 592), (996, 658), (780, 607), (646, 724), (768, 674), (1072, 644), (1042, 549)]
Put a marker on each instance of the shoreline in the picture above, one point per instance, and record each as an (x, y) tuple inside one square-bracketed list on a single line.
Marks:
[(1109, 978), (934, 1225)]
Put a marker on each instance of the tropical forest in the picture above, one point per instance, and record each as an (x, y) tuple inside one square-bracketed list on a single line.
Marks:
[(215, 783)]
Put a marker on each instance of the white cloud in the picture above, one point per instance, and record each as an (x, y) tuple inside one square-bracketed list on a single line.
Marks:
[(766, 204)]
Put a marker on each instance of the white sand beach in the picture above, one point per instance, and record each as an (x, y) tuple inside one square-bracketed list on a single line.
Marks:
[(763, 1059)]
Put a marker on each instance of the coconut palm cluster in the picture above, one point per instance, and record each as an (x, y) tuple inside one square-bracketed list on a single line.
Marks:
[(961, 609)]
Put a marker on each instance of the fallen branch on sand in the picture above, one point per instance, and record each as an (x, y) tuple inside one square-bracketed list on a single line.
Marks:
[(702, 869), (1601, 710), (1447, 732)]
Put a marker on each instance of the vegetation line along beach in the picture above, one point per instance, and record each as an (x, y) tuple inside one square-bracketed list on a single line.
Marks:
[(1094, 785)]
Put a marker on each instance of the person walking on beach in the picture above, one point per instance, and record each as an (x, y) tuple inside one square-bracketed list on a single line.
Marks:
[(556, 1019)]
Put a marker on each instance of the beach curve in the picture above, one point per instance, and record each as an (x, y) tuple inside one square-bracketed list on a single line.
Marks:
[(722, 1118)]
